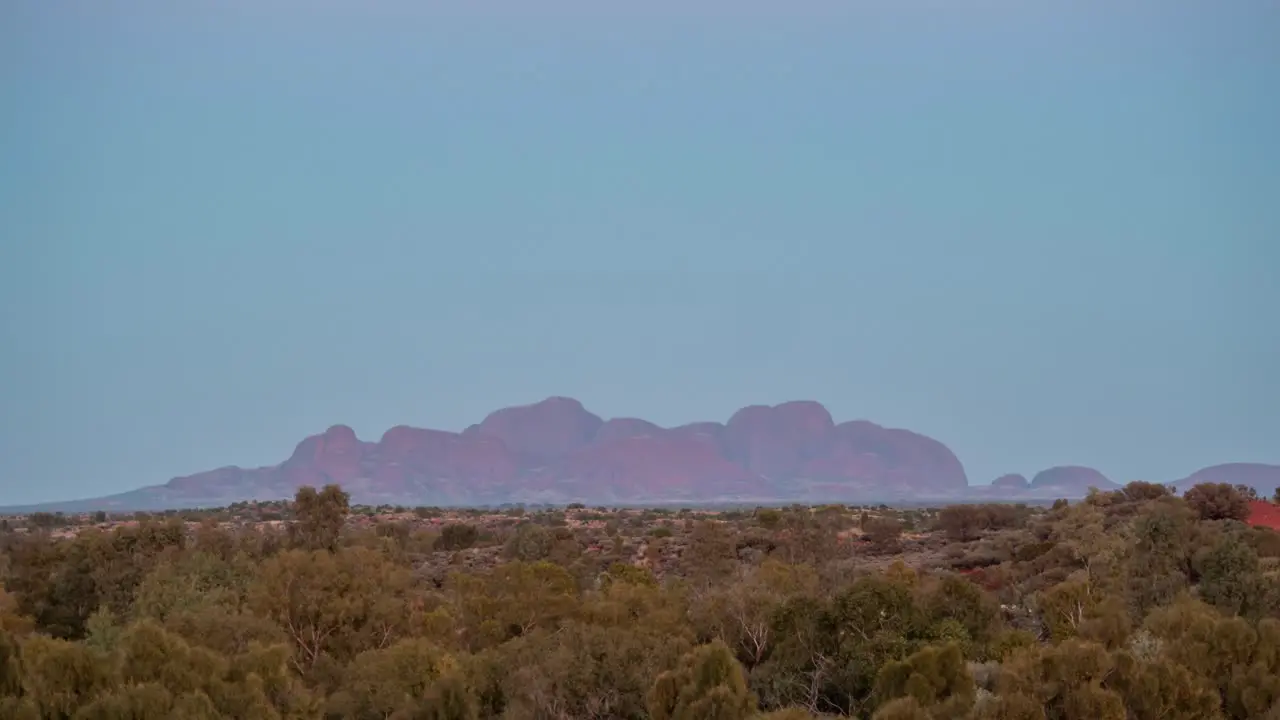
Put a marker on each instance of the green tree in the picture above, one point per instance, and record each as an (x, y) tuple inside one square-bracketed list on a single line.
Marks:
[(589, 669), (11, 618), (529, 543), (1229, 575), (827, 650), (787, 714), (883, 532), (61, 676), (1157, 688), (511, 600), (1139, 491), (804, 537), (709, 685), (1058, 682), (711, 556), (1160, 561), (10, 668), (124, 556), (958, 610), (447, 699), (741, 612), (935, 677), (457, 536), (1238, 658), (395, 681), (319, 517), (904, 708), (333, 604), (769, 518), (1217, 501)]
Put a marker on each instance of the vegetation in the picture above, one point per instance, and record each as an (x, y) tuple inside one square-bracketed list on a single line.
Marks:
[(1131, 604)]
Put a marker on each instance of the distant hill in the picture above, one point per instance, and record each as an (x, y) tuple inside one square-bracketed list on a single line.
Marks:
[(1263, 478), (556, 451)]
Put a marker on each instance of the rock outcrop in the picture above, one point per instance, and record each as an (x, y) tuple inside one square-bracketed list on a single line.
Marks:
[(1070, 480), (557, 451), (1012, 482), (543, 431), (1261, 477)]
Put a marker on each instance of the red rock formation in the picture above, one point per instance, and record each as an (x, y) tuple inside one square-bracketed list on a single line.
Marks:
[(713, 429), (435, 454), (776, 441), (556, 450), (223, 481), (1072, 478), (330, 457), (1263, 478), (661, 464), (619, 428), (888, 459), (1011, 481), (542, 431)]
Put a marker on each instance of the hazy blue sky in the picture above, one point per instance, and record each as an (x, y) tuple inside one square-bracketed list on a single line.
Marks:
[(1042, 236)]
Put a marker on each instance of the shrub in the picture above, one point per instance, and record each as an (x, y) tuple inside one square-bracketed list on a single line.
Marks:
[(457, 536), (1138, 490), (1217, 501), (883, 532)]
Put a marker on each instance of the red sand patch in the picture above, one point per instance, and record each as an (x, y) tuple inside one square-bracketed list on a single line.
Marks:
[(1264, 514)]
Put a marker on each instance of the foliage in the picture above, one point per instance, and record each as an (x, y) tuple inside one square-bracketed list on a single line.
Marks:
[(709, 685), (1218, 501), (320, 516), (1134, 603), (883, 532), (966, 522), (457, 536)]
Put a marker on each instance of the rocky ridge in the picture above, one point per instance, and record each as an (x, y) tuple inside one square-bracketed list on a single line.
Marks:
[(556, 451)]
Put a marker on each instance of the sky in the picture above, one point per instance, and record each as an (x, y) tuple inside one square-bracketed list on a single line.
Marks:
[(1043, 233)]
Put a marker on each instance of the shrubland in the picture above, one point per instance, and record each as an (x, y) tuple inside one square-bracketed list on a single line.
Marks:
[(1128, 604)]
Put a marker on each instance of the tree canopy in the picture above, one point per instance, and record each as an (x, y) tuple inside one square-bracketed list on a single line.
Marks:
[(1135, 604)]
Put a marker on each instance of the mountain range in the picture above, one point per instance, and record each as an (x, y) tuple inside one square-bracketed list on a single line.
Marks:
[(556, 451)]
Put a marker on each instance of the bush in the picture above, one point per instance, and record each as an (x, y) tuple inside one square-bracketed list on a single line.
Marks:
[(529, 543), (883, 532), (768, 518), (966, 522), (1138, 490), (457, 536), (1217, 501)]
